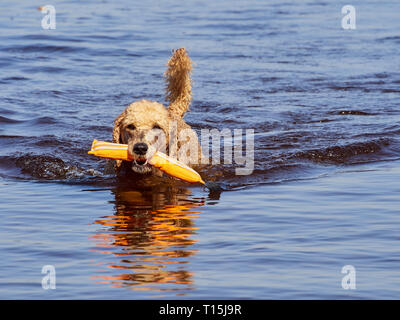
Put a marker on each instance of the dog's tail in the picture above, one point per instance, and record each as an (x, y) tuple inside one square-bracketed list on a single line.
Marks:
[(179, 87)]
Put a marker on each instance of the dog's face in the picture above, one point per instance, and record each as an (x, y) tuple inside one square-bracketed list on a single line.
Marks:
[(143, 126)]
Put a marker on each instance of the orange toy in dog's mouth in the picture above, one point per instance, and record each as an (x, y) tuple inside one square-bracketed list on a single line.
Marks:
[(159, 160)]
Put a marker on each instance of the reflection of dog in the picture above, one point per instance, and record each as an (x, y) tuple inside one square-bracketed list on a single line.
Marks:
[(143, 122), (149, 237)]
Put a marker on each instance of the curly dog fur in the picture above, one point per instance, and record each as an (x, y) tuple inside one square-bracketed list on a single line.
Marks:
[(147, 126)]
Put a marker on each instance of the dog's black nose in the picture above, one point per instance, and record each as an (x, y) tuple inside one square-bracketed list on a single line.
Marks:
[(140, 148)]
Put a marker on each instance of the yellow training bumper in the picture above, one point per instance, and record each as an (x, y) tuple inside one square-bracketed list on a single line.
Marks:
[(160, 160)]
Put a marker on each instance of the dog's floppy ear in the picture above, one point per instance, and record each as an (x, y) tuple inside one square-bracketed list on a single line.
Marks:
[(116, 136), (179, 87), (117, 128)]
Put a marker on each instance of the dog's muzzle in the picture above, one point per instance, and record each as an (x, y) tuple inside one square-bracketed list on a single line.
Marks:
[(139, 162)]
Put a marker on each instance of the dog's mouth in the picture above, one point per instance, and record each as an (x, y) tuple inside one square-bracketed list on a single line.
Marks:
[(140, 162), (141, 165)]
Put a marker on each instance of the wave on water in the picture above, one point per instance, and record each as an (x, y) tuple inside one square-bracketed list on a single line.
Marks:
[(44, 167), (341, 154)]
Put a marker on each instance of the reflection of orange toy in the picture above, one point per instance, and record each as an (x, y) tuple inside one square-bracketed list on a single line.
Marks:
[(148, 242), (160, 160)]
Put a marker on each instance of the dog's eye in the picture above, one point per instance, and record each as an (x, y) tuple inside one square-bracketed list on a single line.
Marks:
[(131, 127), (156, 126)]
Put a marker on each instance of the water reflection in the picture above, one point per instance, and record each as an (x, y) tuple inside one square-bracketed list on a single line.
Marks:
[(148, 242)]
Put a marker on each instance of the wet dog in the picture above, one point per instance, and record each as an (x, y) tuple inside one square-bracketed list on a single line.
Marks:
[(148, 126)]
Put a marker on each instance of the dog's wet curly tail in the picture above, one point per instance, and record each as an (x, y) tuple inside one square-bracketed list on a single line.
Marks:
[(179, 86)]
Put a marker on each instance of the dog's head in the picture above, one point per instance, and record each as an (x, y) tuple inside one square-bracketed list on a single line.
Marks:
[(144, 127)]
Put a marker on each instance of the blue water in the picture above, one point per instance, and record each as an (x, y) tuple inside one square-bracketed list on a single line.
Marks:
[(323, 102)]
